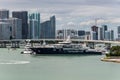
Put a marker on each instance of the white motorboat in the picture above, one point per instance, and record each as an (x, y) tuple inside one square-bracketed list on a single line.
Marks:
[(27, 49)]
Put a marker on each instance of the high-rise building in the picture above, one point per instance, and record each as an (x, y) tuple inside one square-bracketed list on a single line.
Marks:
[(107, 35), (81, 33), (53, 27), (4, 13), (33, 29), (118, 32), (95, 31), (64, 33), (45, 30), (94, 35), (94, 28), (100, 33), (34, 24), (16, 27), (60, 34), (23, 15), (48, 28), (111, 35), (5, 31), (87, 35), (104, 27)]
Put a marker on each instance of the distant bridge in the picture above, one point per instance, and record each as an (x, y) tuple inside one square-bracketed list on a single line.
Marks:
[(59, 40), (17, 42)]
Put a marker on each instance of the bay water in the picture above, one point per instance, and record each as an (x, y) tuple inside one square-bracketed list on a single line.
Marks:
[(16, 66)]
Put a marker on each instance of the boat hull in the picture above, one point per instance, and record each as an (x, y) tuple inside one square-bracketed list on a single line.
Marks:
[(62, 51)]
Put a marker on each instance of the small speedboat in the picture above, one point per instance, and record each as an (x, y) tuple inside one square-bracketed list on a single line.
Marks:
[(27, 49)]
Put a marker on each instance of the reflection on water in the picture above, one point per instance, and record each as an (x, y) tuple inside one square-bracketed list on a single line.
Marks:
[(62, 55)]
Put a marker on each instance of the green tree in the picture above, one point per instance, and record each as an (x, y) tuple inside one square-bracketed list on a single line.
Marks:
[(115, 51)]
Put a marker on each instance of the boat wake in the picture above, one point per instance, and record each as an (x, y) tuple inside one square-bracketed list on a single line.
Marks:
[(13, 62)]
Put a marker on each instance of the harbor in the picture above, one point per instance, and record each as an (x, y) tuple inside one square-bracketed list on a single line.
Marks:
[(67, 46)]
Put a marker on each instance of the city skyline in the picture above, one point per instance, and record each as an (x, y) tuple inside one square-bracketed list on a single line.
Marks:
[(78, 14), (26, 25), (23, 15)]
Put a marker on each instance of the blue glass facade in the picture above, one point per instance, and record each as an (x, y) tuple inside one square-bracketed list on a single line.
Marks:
[(34, 24), (53, 27)]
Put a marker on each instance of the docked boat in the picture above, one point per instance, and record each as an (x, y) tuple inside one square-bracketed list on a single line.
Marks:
[(65, 47)]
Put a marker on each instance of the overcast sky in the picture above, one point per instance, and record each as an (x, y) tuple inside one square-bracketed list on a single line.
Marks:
[(71, 13)]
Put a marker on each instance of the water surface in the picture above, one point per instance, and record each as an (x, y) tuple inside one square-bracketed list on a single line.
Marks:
[(16, 66)]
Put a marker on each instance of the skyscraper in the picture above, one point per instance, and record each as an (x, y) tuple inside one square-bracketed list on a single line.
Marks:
[(33, 29), (107, 35), (45, 30), (111, 35), (48, 28), (100, 33), (4, 13), (95, 32), (104, 27), (16, 27), (23, 15), (53, 27), (5, 31), (94, 35), (118, 32), (34, 22)]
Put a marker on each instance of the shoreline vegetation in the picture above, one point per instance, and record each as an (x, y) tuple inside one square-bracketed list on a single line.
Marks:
[(113, 56)]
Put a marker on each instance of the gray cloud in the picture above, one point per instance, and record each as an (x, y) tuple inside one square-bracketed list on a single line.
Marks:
[(58, 3), (67, 10)]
